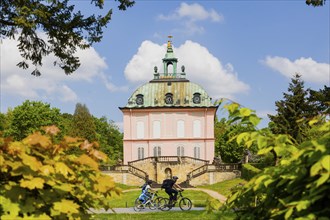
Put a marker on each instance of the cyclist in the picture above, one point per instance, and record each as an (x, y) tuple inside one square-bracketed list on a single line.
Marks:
[(145, 195), (171, 187)]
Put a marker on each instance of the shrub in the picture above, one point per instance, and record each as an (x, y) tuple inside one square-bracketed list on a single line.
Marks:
[(297, 187), (40, 181)]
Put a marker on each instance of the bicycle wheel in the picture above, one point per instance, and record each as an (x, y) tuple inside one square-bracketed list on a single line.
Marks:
[(157, 201), (138, 206), (185, 204), (152, 204), (163, 204)]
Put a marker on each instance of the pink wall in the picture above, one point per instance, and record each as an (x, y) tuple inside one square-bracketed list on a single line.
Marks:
[(196, 129)]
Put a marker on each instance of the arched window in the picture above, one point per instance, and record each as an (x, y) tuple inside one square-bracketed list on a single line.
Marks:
[(140, 153), (157, 151), (140, 130), (197, 152), (168, 173), (156, 129), (197, 128), (180, 128), (180, 151)]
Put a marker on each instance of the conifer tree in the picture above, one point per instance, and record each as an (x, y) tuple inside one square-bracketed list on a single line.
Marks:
[(291, 111), (83, 123), (320, 101)]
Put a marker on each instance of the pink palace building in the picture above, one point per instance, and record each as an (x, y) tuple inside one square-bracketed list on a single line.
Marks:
[(169, 116)]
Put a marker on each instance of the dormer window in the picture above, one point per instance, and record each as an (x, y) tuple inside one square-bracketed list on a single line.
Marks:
[(169, 98), (139, 99), (197, 98)]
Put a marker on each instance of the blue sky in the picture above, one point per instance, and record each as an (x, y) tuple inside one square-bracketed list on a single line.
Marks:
[(246, 51)]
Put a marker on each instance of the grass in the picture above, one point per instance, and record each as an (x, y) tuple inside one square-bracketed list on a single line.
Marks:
[(127, 199), (124, 187), (225, 186), (180, 215)]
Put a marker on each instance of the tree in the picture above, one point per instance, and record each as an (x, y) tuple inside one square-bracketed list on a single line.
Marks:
[(3, 121), (297, 188), (40, 180), (291, 111), (225, 145), (66, 29), (83, 125), (320, 101), (315, 3), (227, 129), (109, 138), (30, 117)]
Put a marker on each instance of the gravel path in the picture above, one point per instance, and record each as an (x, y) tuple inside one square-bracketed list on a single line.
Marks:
[(130, 210)]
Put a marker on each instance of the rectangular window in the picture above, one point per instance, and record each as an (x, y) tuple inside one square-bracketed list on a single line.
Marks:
[(157, 151), (197, 152), (180, 129), (156, 129), (140, 153), (180, 151), (140, 130), (197, 128)]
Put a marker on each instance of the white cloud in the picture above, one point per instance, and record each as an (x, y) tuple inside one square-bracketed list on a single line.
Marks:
[(201, 67), (110, 86), (53, 84), (310, 70), (189, 15)]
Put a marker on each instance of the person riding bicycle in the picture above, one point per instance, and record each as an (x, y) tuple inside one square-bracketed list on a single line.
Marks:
[(145, 195), (171, 187)]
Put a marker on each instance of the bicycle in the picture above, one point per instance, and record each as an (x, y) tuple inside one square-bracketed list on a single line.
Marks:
[(185, 203), (152, 202)]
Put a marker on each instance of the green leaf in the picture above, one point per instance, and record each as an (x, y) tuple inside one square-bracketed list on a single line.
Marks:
[(324, 177), (288, 213), (254, 119), (303, 205), (245, 112), (265, 150), (325, 161), (232, 107), (242, 136), (262, 142), (280, 151), (315, 169)]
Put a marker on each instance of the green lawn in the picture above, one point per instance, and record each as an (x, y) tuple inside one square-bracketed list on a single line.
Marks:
[(124, 187), (167, 215), (126, 199), (225, 186)]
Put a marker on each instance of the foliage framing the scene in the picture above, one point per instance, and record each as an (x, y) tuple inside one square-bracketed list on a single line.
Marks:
[(39, 181), (30, 117), (66, 28), (298, 187)]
